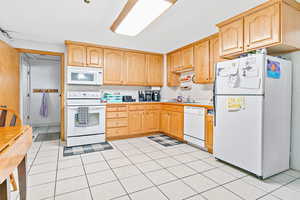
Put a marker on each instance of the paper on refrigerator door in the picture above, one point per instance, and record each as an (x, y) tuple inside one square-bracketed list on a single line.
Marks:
[(250, 83), (235, 103)]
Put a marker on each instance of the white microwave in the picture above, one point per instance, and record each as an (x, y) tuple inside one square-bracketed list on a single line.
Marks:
[(85, 76)]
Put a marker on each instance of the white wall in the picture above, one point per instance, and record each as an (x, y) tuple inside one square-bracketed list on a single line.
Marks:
[(45, 75), (42, 46), (295, 135)]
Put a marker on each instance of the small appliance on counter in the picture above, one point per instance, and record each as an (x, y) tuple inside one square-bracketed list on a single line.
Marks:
[(141, 96), (128, 99), (148, 95), (112, 98), (155, 95)]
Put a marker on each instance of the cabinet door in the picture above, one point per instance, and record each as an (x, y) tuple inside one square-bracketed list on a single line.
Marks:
[(209, 133), (151, 121), (135, 122), (231, 38), (202, 65), (135, 66), (214, 57), (262, 28), (154, 70), (172, 78), (113, 67), (188, 56), (176, 60), (94, 57), (76, 55), (176, 124), (164, 122)]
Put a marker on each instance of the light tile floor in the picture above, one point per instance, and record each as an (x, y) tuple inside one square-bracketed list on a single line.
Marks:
[(140, 169)]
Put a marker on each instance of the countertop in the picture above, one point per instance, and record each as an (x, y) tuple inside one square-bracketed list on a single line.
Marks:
[(208, 106)]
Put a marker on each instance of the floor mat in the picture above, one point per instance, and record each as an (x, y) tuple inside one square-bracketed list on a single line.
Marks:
[(164, 140), (89, 148), (42, 137)]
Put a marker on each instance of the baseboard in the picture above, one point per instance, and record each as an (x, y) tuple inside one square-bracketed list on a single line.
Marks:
[(121, 137)]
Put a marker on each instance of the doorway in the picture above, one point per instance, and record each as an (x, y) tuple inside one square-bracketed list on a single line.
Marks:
[(42, 84)]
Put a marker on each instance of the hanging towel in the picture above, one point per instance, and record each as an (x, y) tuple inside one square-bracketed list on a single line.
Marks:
[(44, 105), (83, 118)]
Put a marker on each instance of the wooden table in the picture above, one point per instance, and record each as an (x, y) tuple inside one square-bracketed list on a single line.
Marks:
[(14, 145)]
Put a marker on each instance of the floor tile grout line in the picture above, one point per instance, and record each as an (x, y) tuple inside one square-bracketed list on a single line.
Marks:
[(193, 174), (281, 186), (56, 170), (86, 178), (158, 164), (183, 163), (154, 185), (115, 175)]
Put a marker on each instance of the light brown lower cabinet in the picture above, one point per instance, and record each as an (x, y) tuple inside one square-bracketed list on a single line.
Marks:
[(171, 123), (125, 121), (135, 119), (151, 121), (209, 132)]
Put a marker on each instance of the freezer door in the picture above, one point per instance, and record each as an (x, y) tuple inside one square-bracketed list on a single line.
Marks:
[(241, 76), (238, 131)]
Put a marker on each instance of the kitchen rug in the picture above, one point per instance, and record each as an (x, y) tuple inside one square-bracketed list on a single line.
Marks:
[(164, 140), (89, 148)]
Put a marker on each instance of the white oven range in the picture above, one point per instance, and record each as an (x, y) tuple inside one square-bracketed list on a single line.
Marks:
[(85, 118)]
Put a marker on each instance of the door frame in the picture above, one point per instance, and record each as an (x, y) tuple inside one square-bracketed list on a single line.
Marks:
[(62, 82)]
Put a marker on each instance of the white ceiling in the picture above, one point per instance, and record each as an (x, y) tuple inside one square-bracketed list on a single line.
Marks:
[(54, 21)]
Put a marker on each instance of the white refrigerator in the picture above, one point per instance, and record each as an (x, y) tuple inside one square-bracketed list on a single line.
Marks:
[(252, 99)]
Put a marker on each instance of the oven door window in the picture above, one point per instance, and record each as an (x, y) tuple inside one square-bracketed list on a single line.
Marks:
[(92, 123), (93, 119), (79, 76)]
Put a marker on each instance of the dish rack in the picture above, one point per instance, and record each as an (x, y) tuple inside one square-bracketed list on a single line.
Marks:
[(186, 81)]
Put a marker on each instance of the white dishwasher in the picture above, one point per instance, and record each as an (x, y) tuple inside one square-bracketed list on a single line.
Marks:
[(194, 126)]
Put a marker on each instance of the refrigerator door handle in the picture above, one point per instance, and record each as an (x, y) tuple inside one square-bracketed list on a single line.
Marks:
[(214, 96)]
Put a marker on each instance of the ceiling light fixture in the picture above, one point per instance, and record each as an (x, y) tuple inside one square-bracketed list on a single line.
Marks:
[(138, 14)]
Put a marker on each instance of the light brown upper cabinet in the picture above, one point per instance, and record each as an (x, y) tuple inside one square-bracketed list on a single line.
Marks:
[(272, 25), (187, 56), (214, 56), (135, 68), (231, 38), (113, 67), (172, 78), (262, 27), (154, 70), (121, 66), (76, 55), (94, 57), (176, 60), (201, 61)]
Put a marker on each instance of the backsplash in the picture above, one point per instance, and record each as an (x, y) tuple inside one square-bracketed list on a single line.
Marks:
[(197, 92), (122, 90)]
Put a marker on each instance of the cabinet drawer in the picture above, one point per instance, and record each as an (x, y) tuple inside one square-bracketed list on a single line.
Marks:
[(116, 108), (121, 122), (155, 107), (112, 115), (136, 107), (173, 108), (116, 131)]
